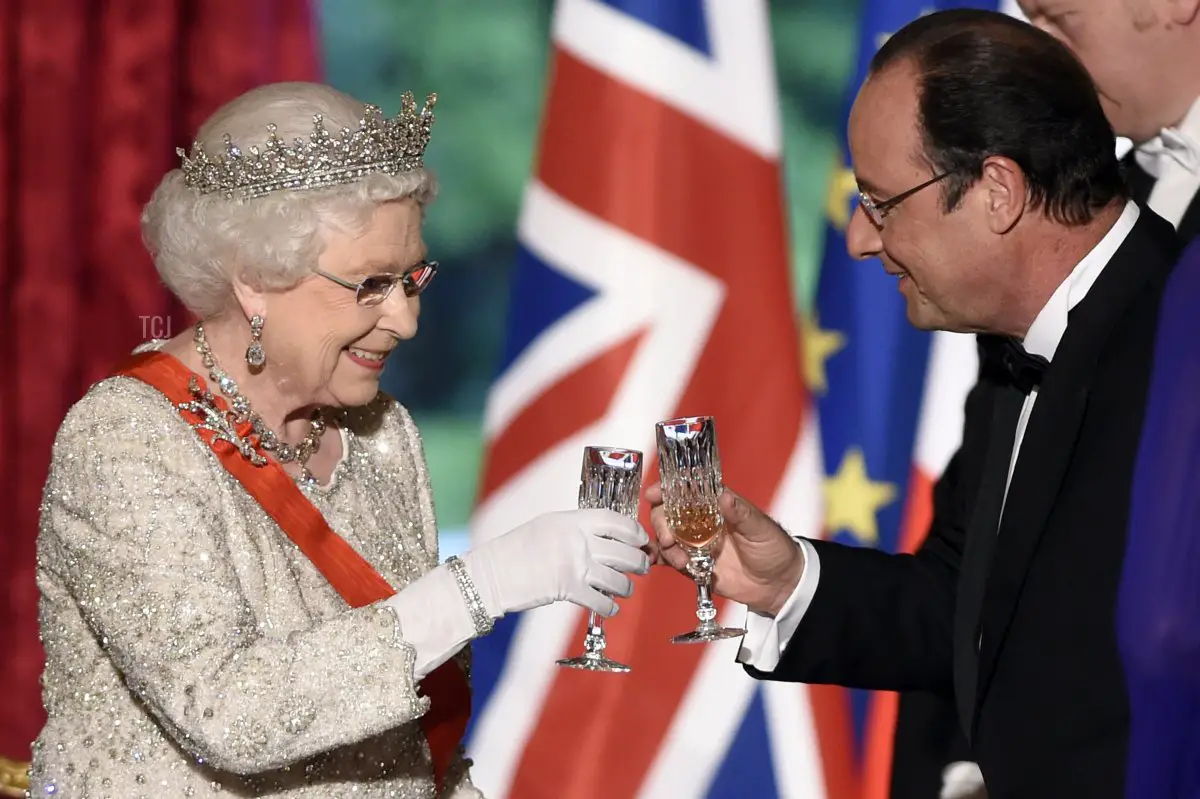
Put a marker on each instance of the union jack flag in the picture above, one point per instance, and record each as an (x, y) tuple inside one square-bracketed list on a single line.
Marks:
[(651, 283)]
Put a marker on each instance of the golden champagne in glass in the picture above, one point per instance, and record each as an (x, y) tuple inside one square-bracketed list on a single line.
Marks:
[(689, 464)]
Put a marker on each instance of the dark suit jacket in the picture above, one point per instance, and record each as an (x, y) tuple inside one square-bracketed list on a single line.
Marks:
[(927, 735), (1049, 717)]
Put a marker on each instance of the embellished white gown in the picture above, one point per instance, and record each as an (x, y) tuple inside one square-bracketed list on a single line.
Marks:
[(192, 649)]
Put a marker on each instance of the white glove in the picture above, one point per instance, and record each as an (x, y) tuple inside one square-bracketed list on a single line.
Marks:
[(573, 555)]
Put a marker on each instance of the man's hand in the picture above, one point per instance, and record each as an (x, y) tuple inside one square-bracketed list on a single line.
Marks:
[(757, 563)]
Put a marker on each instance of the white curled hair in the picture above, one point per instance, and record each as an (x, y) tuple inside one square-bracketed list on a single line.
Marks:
[(200, 243)]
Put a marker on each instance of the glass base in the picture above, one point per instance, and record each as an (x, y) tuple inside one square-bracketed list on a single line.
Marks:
[(704, 633), (592, 662)]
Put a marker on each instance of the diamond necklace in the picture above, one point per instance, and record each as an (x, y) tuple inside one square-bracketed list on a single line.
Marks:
[(284, 453)]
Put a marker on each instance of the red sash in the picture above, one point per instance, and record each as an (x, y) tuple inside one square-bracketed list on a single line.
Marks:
[(348, 572)]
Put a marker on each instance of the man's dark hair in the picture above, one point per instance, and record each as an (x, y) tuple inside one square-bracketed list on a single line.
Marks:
[(989, 84)]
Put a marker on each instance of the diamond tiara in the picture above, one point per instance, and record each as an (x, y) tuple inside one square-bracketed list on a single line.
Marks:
[(391, 146)]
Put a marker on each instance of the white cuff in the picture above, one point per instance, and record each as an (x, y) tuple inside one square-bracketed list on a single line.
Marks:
[(962, 780), (767, 637), (434, 620)]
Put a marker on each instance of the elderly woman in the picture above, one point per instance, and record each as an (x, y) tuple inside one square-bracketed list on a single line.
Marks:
[(238, 553)]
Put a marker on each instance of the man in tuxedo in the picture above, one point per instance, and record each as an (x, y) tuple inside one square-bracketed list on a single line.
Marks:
[(991, 190), (1144, 57)]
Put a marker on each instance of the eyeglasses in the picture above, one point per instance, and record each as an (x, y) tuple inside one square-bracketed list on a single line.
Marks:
[(877, 212), (377, 288)]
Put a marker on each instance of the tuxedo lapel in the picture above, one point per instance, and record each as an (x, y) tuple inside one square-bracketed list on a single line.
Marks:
[(1041, 465), (979, 548), (1050, 436)]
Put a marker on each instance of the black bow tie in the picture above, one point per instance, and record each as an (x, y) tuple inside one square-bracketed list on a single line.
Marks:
[(1008, 362)]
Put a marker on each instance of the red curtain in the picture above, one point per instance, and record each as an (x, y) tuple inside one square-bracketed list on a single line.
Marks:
[(94, 99)]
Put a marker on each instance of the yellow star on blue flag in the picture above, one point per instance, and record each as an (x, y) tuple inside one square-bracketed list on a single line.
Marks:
[(817, 346), (853, 500)]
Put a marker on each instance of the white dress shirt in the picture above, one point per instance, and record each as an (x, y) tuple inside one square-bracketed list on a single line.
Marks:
[(1172, 158)]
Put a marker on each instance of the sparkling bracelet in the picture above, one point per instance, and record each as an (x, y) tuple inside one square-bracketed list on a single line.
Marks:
[(479, 615)]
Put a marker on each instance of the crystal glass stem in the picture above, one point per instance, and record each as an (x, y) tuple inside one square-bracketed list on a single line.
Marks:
[(594, 642), (701, 566)]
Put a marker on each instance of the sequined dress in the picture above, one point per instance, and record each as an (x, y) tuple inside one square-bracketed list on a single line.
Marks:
[(192, 649)]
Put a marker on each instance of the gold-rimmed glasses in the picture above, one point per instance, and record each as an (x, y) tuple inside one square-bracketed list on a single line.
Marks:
[(878, 211)]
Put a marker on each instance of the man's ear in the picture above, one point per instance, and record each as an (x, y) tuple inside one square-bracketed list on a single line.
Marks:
[(1004, 193)]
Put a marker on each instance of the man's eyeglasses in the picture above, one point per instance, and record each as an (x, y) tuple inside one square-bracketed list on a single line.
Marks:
[(877, 212), (377, 288)]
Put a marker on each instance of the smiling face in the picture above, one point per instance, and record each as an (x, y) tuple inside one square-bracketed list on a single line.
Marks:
[(943, 261), (322, 346), (1141, 54)]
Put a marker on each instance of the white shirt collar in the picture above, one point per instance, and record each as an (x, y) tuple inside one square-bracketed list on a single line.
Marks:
[(1051, 322), (1180, 143)]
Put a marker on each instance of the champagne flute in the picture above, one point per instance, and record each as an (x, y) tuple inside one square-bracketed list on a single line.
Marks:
[(611, 478), (690, 467)]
